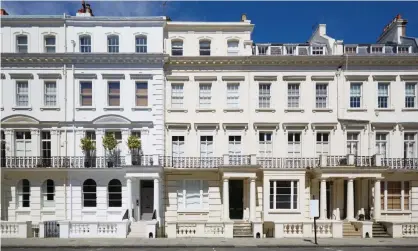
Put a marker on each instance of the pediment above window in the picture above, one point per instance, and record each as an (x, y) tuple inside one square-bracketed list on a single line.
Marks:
[(111, 120), (20, 119)]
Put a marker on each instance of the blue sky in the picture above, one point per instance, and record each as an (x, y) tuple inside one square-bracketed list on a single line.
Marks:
[(353, 22)]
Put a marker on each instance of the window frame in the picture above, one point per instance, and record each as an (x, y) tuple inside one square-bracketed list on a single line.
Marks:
[(205, 51), (383, 99), (291, 95), (141, 47), (55, 94), (206, 140), (353, 142), (294, 198), (321, 96), (46, 193), (177, 94), (408, 96), (178, 49), (294, 142), (232, 51), (18, 45), (83, 192), (317, 50), (141, 95), (356, 95), (109, 95), (113, 43), (85, 47), (234, 143), (119, 199), (265, 145), (205, 95), (180, 141), (25, 141), (50, 46), (22, 194), (182, 186), (412, 142), (384, 196), (379, 143), (81, 93), (232, 95), (16, 96), (322, 142), (264, 95)]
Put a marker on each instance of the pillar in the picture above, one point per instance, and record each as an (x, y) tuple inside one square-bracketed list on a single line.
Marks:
[(10, 142), (157, 197), (99, 142), (350, 199), (226, 199), (129, 185), (253, 196), (36, 142), (377, 205), (323, 205), (125, 154), (55, 144)]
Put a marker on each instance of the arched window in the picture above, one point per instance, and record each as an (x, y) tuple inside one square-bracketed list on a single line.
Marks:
[(141, 44), (233, 47), (177, 48), (22, 43), (89, 193), (113, 43), (204, 48), (114, 190), (23, 193), (48, 193), (85, 44), (49, 43)]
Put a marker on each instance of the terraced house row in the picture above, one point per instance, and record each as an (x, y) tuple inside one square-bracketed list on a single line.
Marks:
[(147, 127)]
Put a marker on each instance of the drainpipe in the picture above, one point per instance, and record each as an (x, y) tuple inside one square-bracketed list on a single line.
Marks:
[(65, 108), (65, 33), (73, 119)]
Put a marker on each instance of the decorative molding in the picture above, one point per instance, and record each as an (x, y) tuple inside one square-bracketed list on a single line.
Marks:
[(111, 120), (177, 78), (384, 77), (383, 125), (233, 78), (286, 126), (316, 126), (294, 78), (113, 76), (257, 125), (21, 75), (265, 78), (19, 119), (409, 77), (141, 76), (181, 125), (357, 77), (239, 125), (125, 131), (205, 78), (215, 125), (323, 78), (85, 76), (51, 76), (34, 131)]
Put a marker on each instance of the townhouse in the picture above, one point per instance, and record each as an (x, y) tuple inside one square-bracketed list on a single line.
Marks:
[(147, 127)]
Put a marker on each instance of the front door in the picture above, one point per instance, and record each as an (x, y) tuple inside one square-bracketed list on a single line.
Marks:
[(236, 199), (147, 199)]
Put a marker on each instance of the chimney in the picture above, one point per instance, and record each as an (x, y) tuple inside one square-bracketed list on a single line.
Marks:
[(243, 17), (85, 10), (394, 30), (3, 12)]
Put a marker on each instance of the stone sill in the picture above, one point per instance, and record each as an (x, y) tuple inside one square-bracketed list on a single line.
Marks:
[(233, 110), (356, 110), (141, 108), (85, 108), (22, 108), (265, 110), (177, 110), (205, 110), (294, 110), (46, 108), (111, 108), (322, 110)]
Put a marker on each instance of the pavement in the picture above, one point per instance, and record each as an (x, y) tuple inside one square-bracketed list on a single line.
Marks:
[(212, 243), (227, 249)]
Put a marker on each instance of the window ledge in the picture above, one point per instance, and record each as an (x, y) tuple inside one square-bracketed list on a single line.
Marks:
[(142, 108), (384, 110), (321, 110), (177, 110), (48, 210), (114, 210), (396, 212), (233, 110), (412, 109), (23, 209), (205, 110), (294, 110), (50, 108), (193, 211), (356, 110), (265, 110), (284, 211), (89, 210), (85, 108), (28, 108), (113, 108)]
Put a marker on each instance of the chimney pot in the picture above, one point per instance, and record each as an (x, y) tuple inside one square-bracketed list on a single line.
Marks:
[(3, 12), (243, 17), (398, 16)]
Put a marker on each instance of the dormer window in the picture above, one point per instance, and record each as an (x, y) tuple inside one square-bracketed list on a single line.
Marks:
[(403, 49), (290, 50), (262, 49), (49, 44), (177, 48), (377, 49), (141, 44), (351, 50), (85, 44), (317, 50), (22, 44), (233, 47), (113, 44), (204, 48)]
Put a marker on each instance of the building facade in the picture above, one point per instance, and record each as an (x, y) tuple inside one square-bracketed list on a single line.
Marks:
[(237, 138)]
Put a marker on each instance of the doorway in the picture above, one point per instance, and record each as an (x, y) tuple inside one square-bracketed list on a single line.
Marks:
[(236, 199), (147, 199)]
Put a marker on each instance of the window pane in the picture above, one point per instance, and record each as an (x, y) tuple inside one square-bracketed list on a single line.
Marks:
[(192, 188)]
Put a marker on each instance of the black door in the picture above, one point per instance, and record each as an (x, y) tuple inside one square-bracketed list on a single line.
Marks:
[(236, 200), (46, 149)]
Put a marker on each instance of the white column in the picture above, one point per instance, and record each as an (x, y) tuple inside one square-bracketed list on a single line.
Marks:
[(55, 142), (157, 197), (125, 154), (10, 142), (99, 142), (350, 199), (323, 205), (253, 197), (35, 142), (129, 185), (77, 151), (377, 205), (226, 200)]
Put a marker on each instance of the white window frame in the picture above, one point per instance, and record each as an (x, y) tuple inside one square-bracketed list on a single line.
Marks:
[(83, 194), (377, 49), (108, 93), (293, 94), (382, 143), (113, 43), (22, 81), (411, 96), (140, 46), (232, 50), (46, 46), (383, 97), (87, 47), (412, 142), (45, 202), (25, 142), (321, 96), (18, 45), (54, 94), (234, 143), (353, 142), (265, 146), (384, 195), (80, 104), (349, 50), (177, 45), (264, 95), (291, 145), (320, 145), (204, 50), (317, 50), (21, 193), (206, 142), (232, 95), (177, 94), (273, 197), (179, 143), (356, 95), (203, 184), (400, 49), (293, 49), (205, 95)]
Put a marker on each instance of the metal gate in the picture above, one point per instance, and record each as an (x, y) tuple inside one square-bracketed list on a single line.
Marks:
[(52, 229)]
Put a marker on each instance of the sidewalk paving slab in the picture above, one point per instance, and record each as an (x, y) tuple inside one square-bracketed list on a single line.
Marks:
[(206, 242)]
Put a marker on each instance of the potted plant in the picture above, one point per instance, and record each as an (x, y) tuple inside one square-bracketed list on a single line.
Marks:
[(134, 145), (87, 145), (110, 143)]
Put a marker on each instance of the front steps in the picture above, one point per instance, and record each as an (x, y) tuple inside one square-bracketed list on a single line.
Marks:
[(243, 229), (379, 231), (349, 231)]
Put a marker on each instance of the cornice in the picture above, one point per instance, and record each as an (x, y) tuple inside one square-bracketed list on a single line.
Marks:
[(19, 59)]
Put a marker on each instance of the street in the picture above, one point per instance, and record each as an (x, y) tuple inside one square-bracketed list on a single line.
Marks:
[(224, 249)]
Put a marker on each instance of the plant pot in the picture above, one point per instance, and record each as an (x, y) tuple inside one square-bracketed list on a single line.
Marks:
[(110, 164), (87, 164), (135, 162)]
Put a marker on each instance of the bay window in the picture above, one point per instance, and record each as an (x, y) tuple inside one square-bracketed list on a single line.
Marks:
[(283, 194)]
